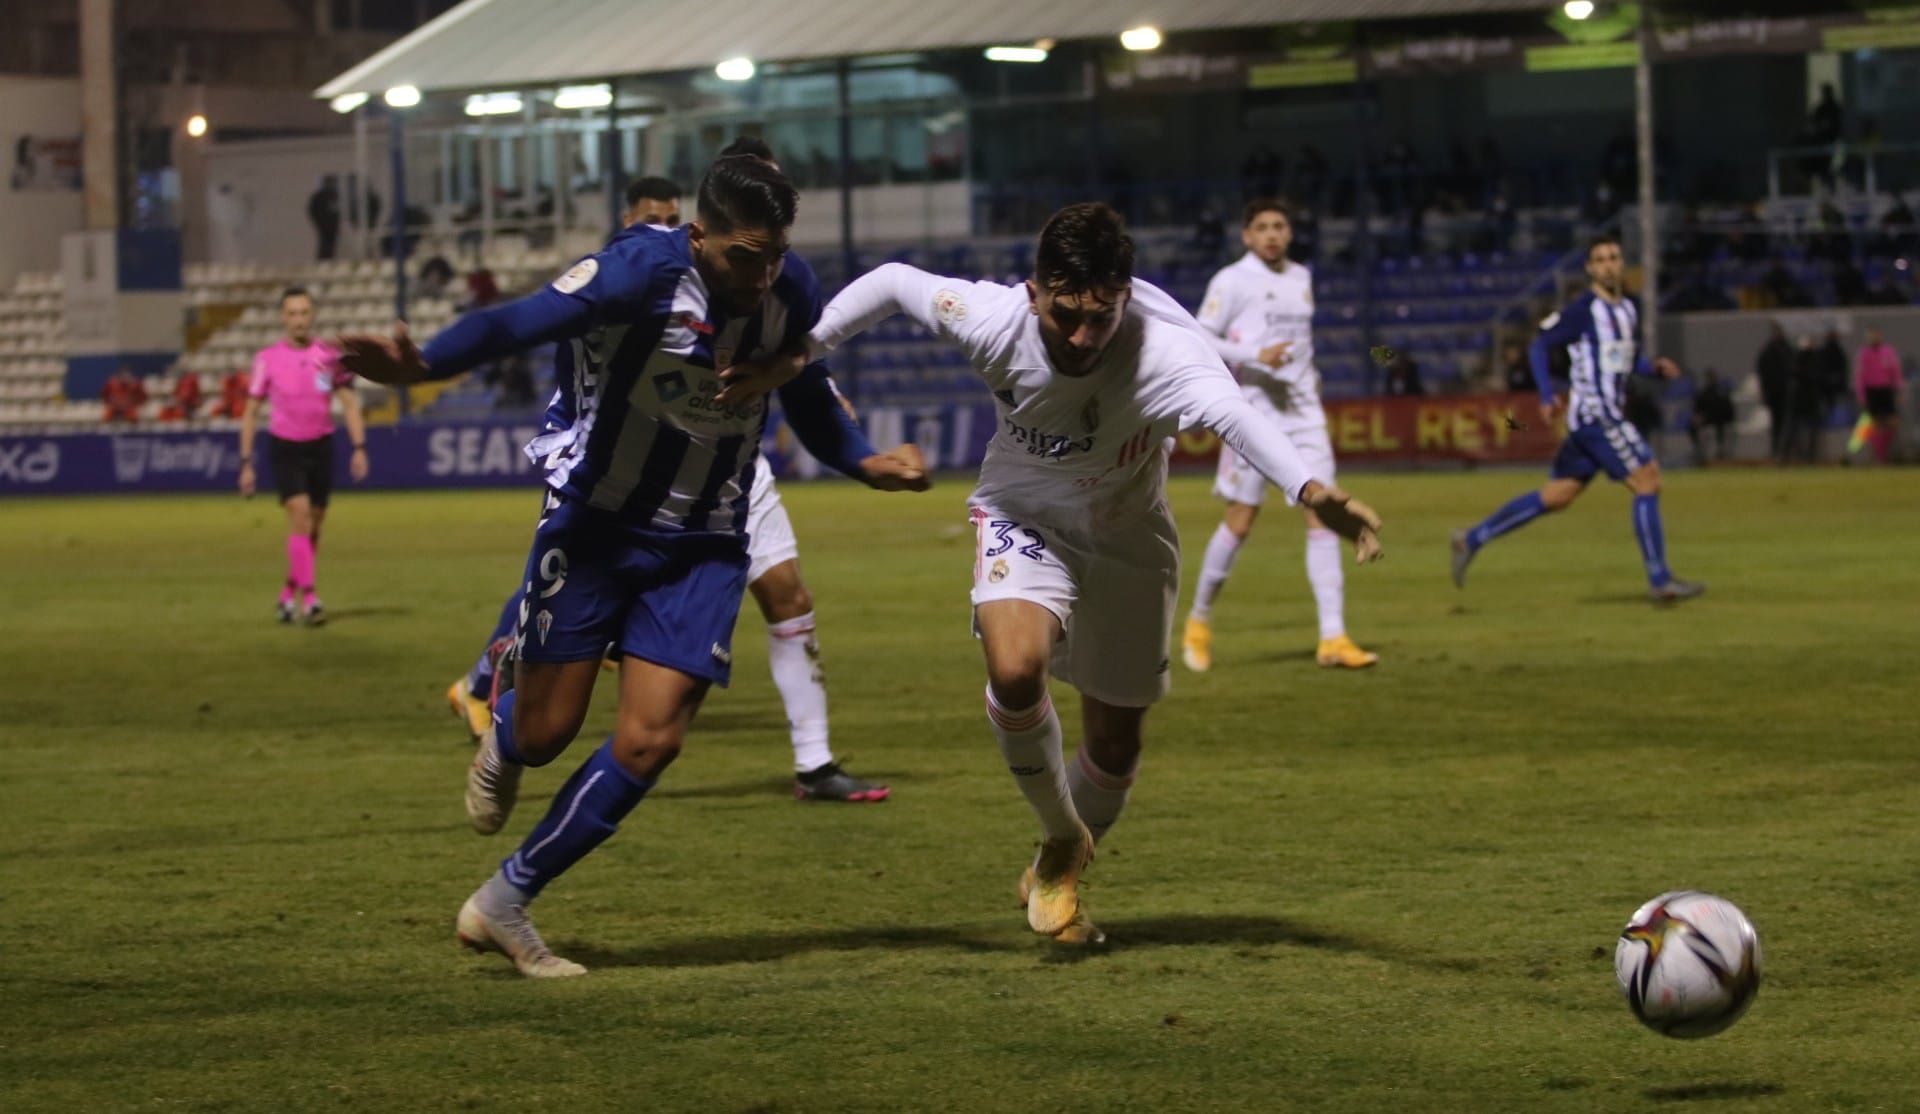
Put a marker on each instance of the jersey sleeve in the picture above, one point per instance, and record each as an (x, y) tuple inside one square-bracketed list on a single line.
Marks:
[(1557, 331), (1216, 312), (612, 286), (953, 309), (823, 425), (800, 289), (1201, 392), (258, 381)]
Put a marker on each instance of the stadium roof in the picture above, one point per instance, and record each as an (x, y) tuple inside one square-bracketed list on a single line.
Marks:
[(494, 44)]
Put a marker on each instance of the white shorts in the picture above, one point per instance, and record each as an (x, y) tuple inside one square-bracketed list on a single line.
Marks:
[(1115, 602), (1237, 482), (770, 539)]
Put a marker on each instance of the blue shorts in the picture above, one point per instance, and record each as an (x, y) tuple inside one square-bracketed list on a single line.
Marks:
[(1614, 448), (594, 581)]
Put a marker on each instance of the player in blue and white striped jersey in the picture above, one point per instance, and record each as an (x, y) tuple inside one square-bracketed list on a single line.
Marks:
[(641, 538), (1598, 331)]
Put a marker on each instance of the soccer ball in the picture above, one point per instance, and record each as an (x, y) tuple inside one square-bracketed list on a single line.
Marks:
[(1689, 964)]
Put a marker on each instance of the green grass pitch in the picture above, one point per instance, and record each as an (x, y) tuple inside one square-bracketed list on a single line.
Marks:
[(231, 852)]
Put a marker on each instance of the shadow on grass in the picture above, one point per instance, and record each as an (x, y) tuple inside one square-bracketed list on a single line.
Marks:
[(351, 613), (1638, 599), (753, 787), (719, 951), (1699, 1092), (1248, 930), (1125, 935)]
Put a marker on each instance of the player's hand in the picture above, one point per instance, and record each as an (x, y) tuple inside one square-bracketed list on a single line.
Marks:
[(901, 469), (1273, 355), (1550, 409), (394, 361), (357, 465), (1347, 517), (246, 478), (1666, 368), (758, 378)]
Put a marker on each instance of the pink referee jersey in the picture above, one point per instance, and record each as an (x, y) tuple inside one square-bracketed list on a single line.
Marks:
[(1878, 365), (299, 383)]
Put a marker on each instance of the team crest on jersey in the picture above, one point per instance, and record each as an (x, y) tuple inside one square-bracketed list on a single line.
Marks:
[(577, 276), (998, 572), (670, 385), (949, 306), (543, 623)]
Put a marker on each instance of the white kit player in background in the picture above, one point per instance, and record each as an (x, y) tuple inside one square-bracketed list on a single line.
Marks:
[(1259, 313), (1077, 567)]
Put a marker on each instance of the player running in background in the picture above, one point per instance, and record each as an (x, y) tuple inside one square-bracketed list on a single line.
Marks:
[(652, 201), (773, 579), (1260, 313), (1598, 331), (640, 540), (299, 377), (1077, 566)]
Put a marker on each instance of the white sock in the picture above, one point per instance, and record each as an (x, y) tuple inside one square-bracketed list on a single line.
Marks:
[(1222, 548), (794, 655), (1098, 796), (1030, 740), (1328, 580)]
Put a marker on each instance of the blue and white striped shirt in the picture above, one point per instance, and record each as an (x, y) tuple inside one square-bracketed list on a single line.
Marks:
[(1602, 350), (640, 347)]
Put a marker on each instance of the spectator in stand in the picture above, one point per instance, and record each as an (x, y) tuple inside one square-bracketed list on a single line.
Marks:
[(436, 274), (1849, 285), (1712, 410), (323, 209), (1825, 122), (1514, 369), (1783, 289), (233, 395), (185, 404), (124, 396), (1403, 377), (1897, 236), (1775, 371), (482, 289), (1804, 412), (1876, 379)]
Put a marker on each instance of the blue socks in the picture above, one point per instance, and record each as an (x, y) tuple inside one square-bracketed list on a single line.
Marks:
[(1514, 515), (588, 809), (1653, 539)]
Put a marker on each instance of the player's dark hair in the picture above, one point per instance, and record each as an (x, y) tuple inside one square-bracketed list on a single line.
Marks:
[(746, 192), (1083, 247), (295, 291), (652, 189), (748, 145), (1600, 238), (1265, 205)]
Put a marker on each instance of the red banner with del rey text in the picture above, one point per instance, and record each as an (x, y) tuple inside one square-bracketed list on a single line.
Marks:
[(1457, 427)]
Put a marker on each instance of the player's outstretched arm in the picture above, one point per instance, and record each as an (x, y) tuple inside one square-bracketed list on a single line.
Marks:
[(476, 338), (824, 426), (936, 302), (1217, 405)]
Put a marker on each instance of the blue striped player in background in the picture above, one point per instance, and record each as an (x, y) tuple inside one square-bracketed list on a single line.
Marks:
[(640, 538), (1597, 329)]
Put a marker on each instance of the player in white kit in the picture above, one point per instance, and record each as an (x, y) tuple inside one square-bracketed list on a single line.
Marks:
[(1077, 565), (1259, 311)]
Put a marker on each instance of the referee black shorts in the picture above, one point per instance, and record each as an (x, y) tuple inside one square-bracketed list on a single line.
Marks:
[(302, 468)]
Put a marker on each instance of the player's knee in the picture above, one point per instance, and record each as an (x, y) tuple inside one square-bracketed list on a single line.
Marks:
[(789, 601), (1017, 683), (539, 738), (644, 750), (1116, 752)]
